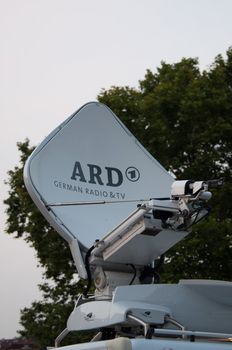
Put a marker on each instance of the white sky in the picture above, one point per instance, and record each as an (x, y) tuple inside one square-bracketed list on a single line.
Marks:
[(55, 55)]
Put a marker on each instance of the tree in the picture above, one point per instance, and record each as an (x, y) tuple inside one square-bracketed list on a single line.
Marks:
[(45, 319), (183, 117)]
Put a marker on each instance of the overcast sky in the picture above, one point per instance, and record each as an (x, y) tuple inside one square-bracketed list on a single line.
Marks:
[(57, 55)]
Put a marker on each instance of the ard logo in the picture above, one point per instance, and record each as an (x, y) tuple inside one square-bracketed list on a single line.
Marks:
[(96, 174)]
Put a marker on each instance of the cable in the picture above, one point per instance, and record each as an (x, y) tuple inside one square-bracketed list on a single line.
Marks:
[(198, 212), (156, 275), (160, 262), (133, 278), (87, 288), (150, 274)]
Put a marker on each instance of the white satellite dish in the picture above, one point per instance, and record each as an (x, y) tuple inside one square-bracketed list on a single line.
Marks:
[(119, 209), (92, 157)]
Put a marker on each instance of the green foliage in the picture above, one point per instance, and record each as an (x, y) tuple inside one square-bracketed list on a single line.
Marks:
[(25, 220), (44, 320), (183, 117), (205, 254)]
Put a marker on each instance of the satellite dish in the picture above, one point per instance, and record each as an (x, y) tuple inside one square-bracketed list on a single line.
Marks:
[(92, 158), (92, 179)]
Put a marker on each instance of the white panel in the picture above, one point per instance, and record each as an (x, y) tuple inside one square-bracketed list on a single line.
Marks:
[(59, 170)]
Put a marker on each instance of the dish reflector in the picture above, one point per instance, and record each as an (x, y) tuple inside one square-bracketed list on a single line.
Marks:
[(92, 157)]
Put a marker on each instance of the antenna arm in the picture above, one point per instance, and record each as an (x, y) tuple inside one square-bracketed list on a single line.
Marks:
[(78, 259)]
